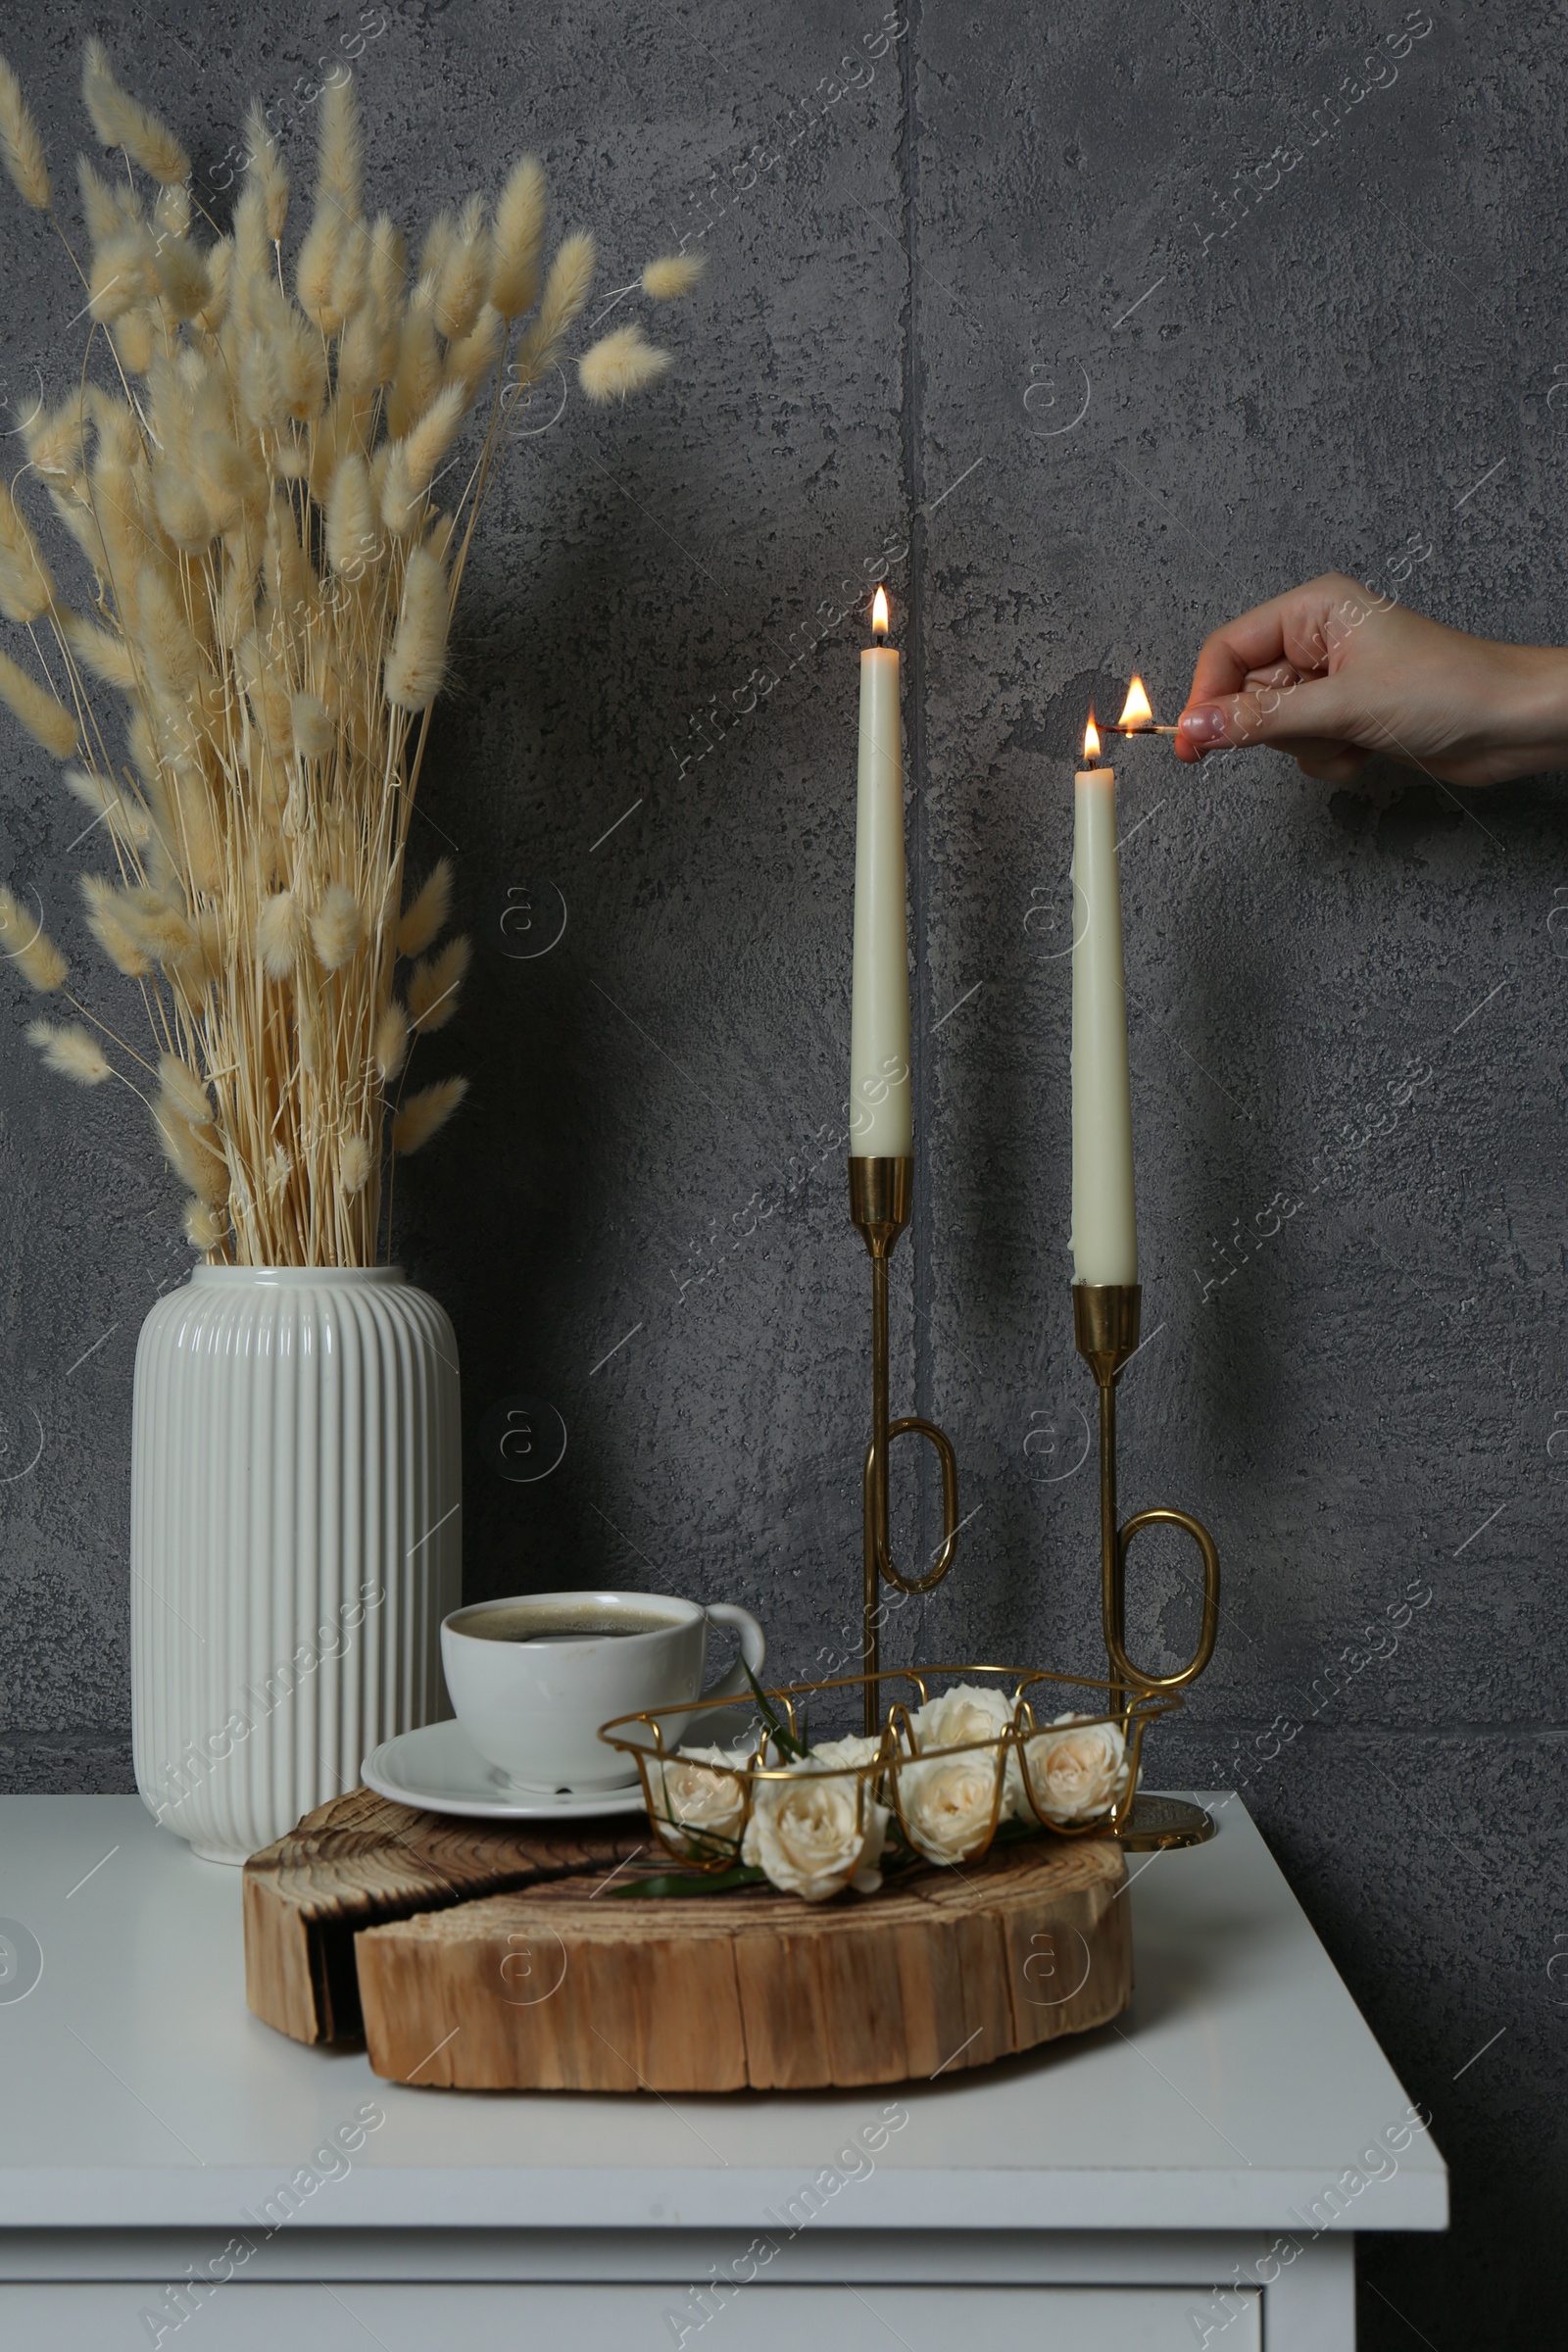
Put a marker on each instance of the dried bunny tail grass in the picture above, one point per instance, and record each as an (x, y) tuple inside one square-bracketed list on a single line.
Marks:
[(267, 692), (116, 941), (20, 147), (425, 1113), (220, 258), (470, 361), (355, 1161), (465, 278), (280, 929), (337, 928), (351, 279), (228, 479), (316, 268), (206, 1229), (312, 729), (416, 664), (27, 587), (182, 278), (354, 535), (566, 290), (125, 271), (366, 354), (207, 960), (181, 509), (424, 917), (56, 439), (123, 816), (301, 366), (439, 239), (42, 713), (340, 149), (434, 985), (440, 535), (389, 265), (104, 204), (173, 657), (104, 650), (72, 1050), (159, 928), (266, 170), (290, 579), (621, 361), (392, 1035), (518, 237), (252, 266), (23, 942), (171, 209), (415, 459), (235, 613), (418, 376), (122, 120), (185, 1090), (135, 341), (672, 274), (199, 1164)]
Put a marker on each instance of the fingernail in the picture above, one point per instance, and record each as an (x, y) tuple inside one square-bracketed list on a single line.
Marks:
[(1206, 724)]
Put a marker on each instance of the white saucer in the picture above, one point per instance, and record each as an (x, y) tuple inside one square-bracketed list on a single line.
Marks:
[(441, 1772)]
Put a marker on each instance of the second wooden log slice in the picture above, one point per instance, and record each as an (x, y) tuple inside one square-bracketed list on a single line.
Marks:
[(568, 1986)]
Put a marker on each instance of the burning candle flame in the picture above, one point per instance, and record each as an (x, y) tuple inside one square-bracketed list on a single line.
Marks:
[(879, 613), (1136, 711), (1091, 738)]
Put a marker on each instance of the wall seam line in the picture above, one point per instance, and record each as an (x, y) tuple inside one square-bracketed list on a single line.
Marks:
[(912, 432)]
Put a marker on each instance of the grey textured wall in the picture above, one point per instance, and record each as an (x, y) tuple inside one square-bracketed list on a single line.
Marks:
[(1102, 323)]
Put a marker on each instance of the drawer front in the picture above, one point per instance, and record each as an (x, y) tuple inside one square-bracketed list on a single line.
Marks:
[(351, 2314)]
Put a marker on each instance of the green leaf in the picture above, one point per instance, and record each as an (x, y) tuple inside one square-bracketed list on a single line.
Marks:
[(681, 1882), (778, 1732)]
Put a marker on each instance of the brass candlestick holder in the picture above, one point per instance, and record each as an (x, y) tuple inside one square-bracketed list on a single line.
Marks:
[(881, 1193), (1106, 1327)]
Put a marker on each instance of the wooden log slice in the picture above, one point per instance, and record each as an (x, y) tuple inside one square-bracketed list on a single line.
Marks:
[(567, 1986), (361, 1859)]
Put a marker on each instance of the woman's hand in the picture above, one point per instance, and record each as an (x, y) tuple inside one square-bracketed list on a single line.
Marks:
[(1331, 674)]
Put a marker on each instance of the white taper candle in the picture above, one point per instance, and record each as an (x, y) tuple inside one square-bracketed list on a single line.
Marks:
[(1104, 1229), (881, 1121)]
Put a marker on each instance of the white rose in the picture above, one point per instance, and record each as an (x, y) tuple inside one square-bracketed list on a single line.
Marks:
[(1076, 1775), (815, 1833), (967, 1713), (833, 1753), (701, 1811), (948, 1803), (961, 1714)]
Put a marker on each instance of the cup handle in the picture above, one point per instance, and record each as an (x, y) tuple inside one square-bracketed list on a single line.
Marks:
[(754, 1648)]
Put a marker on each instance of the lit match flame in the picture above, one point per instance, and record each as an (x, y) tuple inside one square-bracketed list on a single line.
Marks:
[(1136, 711), (879, 613), (1091, 739)]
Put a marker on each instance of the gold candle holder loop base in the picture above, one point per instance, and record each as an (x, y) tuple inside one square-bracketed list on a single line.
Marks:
[(1164, 1516), (881, 1200), (875, 1482), (1105, 1317)]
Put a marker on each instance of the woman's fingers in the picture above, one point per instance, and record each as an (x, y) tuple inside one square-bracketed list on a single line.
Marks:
[(1316, 710), (1294, 630), (1329, 762)]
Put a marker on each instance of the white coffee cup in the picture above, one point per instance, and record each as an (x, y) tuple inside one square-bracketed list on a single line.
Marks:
[(531, 1679)]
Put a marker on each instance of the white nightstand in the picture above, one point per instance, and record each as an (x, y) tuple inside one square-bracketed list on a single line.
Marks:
[(1194, 2174)]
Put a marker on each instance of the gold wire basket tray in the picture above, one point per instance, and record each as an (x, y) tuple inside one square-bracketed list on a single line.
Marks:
[(700, 1804)]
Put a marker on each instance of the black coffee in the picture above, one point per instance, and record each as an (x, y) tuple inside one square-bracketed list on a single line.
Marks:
[(559, 1622)]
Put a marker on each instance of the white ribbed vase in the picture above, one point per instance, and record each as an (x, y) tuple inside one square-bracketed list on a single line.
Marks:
[(296, 1538)]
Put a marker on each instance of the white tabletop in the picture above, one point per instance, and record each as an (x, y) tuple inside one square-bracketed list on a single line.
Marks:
[(138, 2091)]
